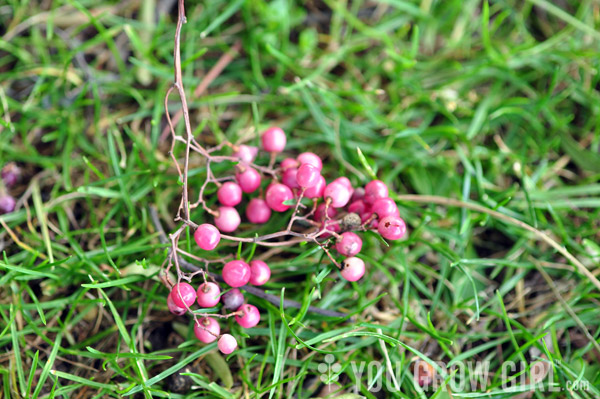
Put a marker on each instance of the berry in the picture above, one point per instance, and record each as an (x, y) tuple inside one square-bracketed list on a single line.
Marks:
[(358, 206), (183, 295), (230, 194), (345, 181), (385, 207), (276, 195), (207, 330), (228, 219), (247, 178), (208, 295), (331, 225), (358, 194), (339, 194), (10, 174), (289, 178), (236, 273), (310, 158), (307, 176), (258, 211), (207, 236), (260, 272), (316, 191), (273, 139), (176, 310), (227, 344), (349, 244), (392, 228), (249, 317), (320, 212), (246, 153), (232, 299), (289, 163), (7, 204), (350, 221), (374, 190), (366, 216), (352, 269)]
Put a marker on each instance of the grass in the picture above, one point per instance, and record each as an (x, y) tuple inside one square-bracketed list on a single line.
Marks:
[(494, 107)]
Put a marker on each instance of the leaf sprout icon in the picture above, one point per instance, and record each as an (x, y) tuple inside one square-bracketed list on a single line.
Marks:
[(329, 370)]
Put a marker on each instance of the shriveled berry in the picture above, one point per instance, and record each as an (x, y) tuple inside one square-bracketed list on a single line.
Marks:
[(228, 219), (232, 299), (349, 244), (316, 191), (7, 204), (353, 269), (183, 295), (392, 228), (227, 344), (258, 211), (374, 190), (249, 316), (385, 207), (273, 139), (320, 212), (276, 195), (289, 178), (358, 206), (229, 194), (308, 176), (236, 273), (207, 330), (248, 178), (289, 163), (246, 153), (260, 272), (176, 310), (338, 193), (310, 158), (350, 221), (208, 295), (207, 236)]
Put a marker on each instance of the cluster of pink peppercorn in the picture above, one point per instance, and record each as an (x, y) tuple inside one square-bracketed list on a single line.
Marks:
[(338, 211), (10, 176)]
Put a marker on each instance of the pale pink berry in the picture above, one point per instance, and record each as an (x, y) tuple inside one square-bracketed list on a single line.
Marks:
[(320, 212), (385, 207), (227, 344), (353, 269), (310, 158), (374, 190), (392, 228), (349, 244), (338, 193), (232, 299), (207, 330), (248, 178), (176, 310), (229, 194), (228, 219), (289, 178), (276, 195), (316, 191), (358, 207), (345, 181), (208, 295), (308, 176), (258, 211), (183, 295), (7, 204), (236, 273), (273, 139), (10, 174), (289, 163), (248, 316), (358, 194), (207, 236), (260, 272), (246, 153)]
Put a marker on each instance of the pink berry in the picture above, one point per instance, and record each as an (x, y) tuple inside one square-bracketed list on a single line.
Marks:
[(249, 317), (385, 207), (236, 273), (349, 244), (233, 299), (339, 194), (246, 153), (208, 295), (7, 204), (374, 190), (358, 194), (10, 174), (247, 178), (183, 295), (207, 236), (353, 269), (273, 139), (289, 163), (392, 228), (310, 158), (345, 181), (260, 272), (276, 195), (258, 211), (316, 191), (207, 330), (289, 178), (320, 212), (176, 310), (358, 206), (331, 225), (308, 176), (366, 216), (229, 194), (227, 344), (228, 219)]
